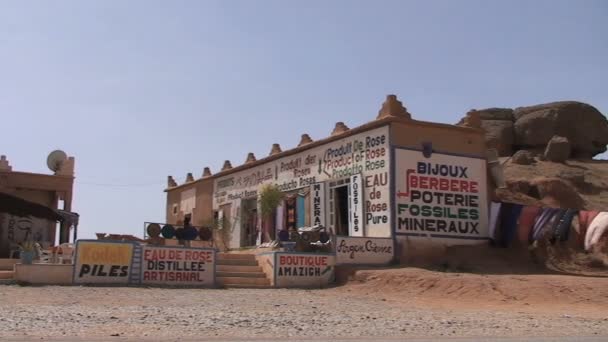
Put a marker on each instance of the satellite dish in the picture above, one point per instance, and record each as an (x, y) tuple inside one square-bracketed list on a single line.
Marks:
[(55, 159)]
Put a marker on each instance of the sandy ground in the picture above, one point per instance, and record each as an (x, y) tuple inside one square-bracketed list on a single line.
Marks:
[(407, 302)]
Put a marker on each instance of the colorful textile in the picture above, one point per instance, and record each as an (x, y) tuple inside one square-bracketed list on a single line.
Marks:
[(597, 228), (300, 211), (545, 221), (494, 212), (526, 223), (562, 226), (280, 219), (585, 217), (509, 214)]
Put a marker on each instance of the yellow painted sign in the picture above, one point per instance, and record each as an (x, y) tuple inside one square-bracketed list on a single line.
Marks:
[(103, 262)]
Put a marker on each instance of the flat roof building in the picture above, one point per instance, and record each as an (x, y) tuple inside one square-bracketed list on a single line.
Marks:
[(394, 177)]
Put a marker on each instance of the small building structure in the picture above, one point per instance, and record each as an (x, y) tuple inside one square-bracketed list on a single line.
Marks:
[(33, 203), (392, 178)]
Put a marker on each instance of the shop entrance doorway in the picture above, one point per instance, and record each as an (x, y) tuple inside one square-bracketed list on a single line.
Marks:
[(339, 202), (249, 222)]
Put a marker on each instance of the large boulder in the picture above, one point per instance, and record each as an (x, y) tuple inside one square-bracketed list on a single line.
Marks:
[(558, 150), (496, 114), (523, 157), (583, 125), (499, 135)]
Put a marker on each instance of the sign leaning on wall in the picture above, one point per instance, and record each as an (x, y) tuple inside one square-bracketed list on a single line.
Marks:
[(355, 206), (364, 251), (442, 196), (318, 204), (178, 266), (303, 269), (100, 262)]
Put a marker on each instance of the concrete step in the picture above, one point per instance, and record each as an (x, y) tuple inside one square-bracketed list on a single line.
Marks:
[(242, 281), (8, 264), (235, 256), (7, 274), (247, 286), (238, 268), (241, 274), (237, 262)]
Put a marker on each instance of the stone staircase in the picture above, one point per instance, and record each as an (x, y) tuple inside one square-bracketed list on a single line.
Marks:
[(240, 271), (7, 272)]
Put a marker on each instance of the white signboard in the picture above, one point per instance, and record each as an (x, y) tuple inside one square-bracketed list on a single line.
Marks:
[(355, 226), (365, 154), (318, 204), (364, 251), (443, 196), (304, 269), (178, 266), (102, 262)]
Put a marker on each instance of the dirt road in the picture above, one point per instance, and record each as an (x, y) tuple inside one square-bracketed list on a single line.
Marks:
[(408, 303)]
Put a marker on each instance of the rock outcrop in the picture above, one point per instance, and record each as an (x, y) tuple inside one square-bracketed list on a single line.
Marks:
[(531, 128)]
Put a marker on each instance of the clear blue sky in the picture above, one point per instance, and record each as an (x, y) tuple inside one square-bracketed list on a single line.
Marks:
[(138, 90)]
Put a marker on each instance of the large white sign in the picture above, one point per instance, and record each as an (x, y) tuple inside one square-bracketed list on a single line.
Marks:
[(304, 269), (103, 262), (365, 154), (318, 204), (364, 251), (443, 196), (355, 226)]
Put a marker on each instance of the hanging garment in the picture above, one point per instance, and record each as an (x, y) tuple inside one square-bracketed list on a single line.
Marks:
[(528, 216), (585, 217), (562, 226), (494, 212), (290, 213), (509, 214), (544, 222), (280, 218), (300, 211), (597, 228)]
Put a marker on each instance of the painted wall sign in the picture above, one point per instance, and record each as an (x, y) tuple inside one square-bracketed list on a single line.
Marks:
[(304, 269), (178, 266), (102, 262), (365, 154), (15, 230), (356, 206), (318, 204), (442, 196), (364, 251)]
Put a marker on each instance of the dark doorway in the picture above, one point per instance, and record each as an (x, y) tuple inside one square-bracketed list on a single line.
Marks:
[(341, 210)]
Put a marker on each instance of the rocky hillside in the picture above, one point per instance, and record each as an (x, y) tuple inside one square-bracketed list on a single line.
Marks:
[(546, 151)]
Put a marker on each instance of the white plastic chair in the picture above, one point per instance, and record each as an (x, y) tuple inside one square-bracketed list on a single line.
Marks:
[(43, 256), (65, 251)]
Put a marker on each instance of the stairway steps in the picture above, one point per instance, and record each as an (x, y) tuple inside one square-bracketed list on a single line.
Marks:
[(246, 286), (7, 274), (244, 281), (237, 262), (238, 268), (8, 264), (233, 256), (241, 274)]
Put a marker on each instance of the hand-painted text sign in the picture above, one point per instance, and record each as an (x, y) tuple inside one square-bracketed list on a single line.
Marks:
[(442, 196), (178, 266), (303, 270), (102, 262), (364, 251)]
